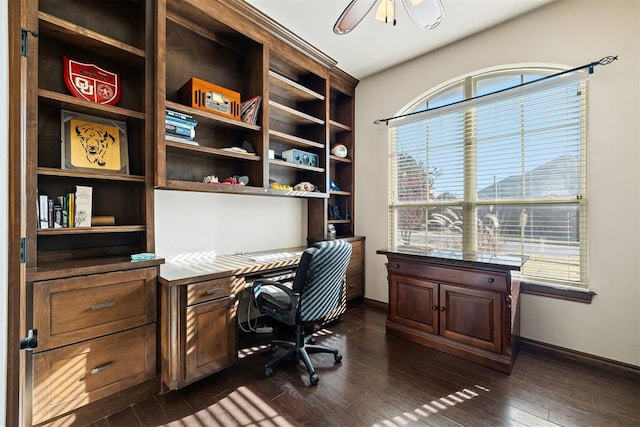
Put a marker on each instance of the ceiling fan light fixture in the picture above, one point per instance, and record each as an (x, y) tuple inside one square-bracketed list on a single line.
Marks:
[(426, 14), (352, 15), (385, 11)]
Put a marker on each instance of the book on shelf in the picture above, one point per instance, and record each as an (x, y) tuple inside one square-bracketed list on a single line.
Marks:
[(249, 110), (176, 115), (83, 196), (43, 211)]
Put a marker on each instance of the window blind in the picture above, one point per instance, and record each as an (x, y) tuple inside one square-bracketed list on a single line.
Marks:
[(504, 173)]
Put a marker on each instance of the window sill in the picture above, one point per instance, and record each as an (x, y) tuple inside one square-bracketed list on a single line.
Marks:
[(559, 293)]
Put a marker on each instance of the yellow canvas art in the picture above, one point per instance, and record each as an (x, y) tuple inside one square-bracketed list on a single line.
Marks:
[(94, 145)]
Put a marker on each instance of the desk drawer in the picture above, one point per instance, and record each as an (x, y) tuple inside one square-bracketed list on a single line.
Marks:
[(209, 290), (70, 377), (484, 280), (80, 308)]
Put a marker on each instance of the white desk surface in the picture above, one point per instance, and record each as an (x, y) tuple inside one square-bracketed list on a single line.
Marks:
[(186, 271)]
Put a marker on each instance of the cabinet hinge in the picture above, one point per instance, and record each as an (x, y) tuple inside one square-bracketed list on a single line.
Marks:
[(23, 250), (24, 46), (31, 341)]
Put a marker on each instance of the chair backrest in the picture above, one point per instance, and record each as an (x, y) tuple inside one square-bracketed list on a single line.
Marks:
[(320, 278)]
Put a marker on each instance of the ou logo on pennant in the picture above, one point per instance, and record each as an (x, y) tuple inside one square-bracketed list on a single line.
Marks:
[(90, 82)]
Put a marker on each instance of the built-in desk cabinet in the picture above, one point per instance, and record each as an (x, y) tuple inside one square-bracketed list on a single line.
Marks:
[(198, 329), (83, 324)]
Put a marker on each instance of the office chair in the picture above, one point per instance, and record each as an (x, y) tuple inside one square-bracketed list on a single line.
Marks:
[(315, 292)]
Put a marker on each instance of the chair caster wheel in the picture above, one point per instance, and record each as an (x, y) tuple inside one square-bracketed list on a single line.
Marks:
[(313, 379), (337, 358), (273, 348), (312, 340), (268, 371)]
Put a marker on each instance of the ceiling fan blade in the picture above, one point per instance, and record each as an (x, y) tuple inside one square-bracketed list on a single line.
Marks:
[(426, 14), (352, 15)]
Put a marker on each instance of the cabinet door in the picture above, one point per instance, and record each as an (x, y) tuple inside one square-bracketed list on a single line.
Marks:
[(413, 303), (471, 316), (211, 337)]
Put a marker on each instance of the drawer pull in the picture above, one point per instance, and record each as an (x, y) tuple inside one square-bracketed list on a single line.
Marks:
[(101, 368), (213, 291), (396, 265), (491, 280), (102, 305)]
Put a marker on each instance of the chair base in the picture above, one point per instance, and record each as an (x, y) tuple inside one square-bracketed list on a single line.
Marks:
[(300, 350)]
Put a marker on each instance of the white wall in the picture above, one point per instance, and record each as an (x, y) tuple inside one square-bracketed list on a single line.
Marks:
[(4, 193), (571, 33), (197, 223)]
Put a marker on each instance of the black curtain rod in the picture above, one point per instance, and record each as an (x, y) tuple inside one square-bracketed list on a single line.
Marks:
[(604, 61)]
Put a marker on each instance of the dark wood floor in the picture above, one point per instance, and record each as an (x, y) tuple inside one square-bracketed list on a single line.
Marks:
[(386, 381)]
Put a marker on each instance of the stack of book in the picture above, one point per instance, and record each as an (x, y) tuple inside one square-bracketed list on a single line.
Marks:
[(67, 211), (249, 110), (180, 127)]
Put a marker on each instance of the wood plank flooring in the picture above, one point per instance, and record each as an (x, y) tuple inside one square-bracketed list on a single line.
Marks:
[(385, 381)]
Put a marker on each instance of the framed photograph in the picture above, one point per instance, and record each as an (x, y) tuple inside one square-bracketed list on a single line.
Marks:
[(93, 143)]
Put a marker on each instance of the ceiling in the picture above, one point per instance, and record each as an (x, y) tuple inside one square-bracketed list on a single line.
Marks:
[(374, 46)]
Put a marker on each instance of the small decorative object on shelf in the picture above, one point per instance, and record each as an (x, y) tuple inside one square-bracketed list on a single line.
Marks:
[(339, 150), (93, 143), (331, 232), (145, 256), (206, 96), (300, 157), (90, 82), (333, 186), (304, 186), (277, 186), (333, 212), (210, 179)]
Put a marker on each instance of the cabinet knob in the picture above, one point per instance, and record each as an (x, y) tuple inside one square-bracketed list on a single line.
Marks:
[(435, 308), (396, 265), (491, 280), (443, 308)]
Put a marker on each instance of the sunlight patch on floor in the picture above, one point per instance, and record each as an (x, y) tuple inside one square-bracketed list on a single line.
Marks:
[(434, 407)]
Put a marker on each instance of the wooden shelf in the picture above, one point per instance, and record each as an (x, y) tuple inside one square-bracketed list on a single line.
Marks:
[(293, 115), (69, 102), (293, 140), (74, 34), (212, 151), (339, 221), (211, 119), (339, 159), (294, 193), (213, 188), (92, 230), (340, 126), (285, 164), (340, 193), (292, 89), (74, 173)]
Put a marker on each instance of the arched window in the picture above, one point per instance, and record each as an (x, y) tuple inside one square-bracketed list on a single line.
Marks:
[(503, 173)]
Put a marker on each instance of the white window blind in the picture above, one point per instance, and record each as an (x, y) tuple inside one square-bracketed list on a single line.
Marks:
[(504, 173)]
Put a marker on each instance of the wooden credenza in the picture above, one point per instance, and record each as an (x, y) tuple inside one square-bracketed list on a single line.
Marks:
[(464, 304)]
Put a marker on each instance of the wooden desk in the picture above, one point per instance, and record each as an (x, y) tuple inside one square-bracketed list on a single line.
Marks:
[(199, 303), (464, 304)]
